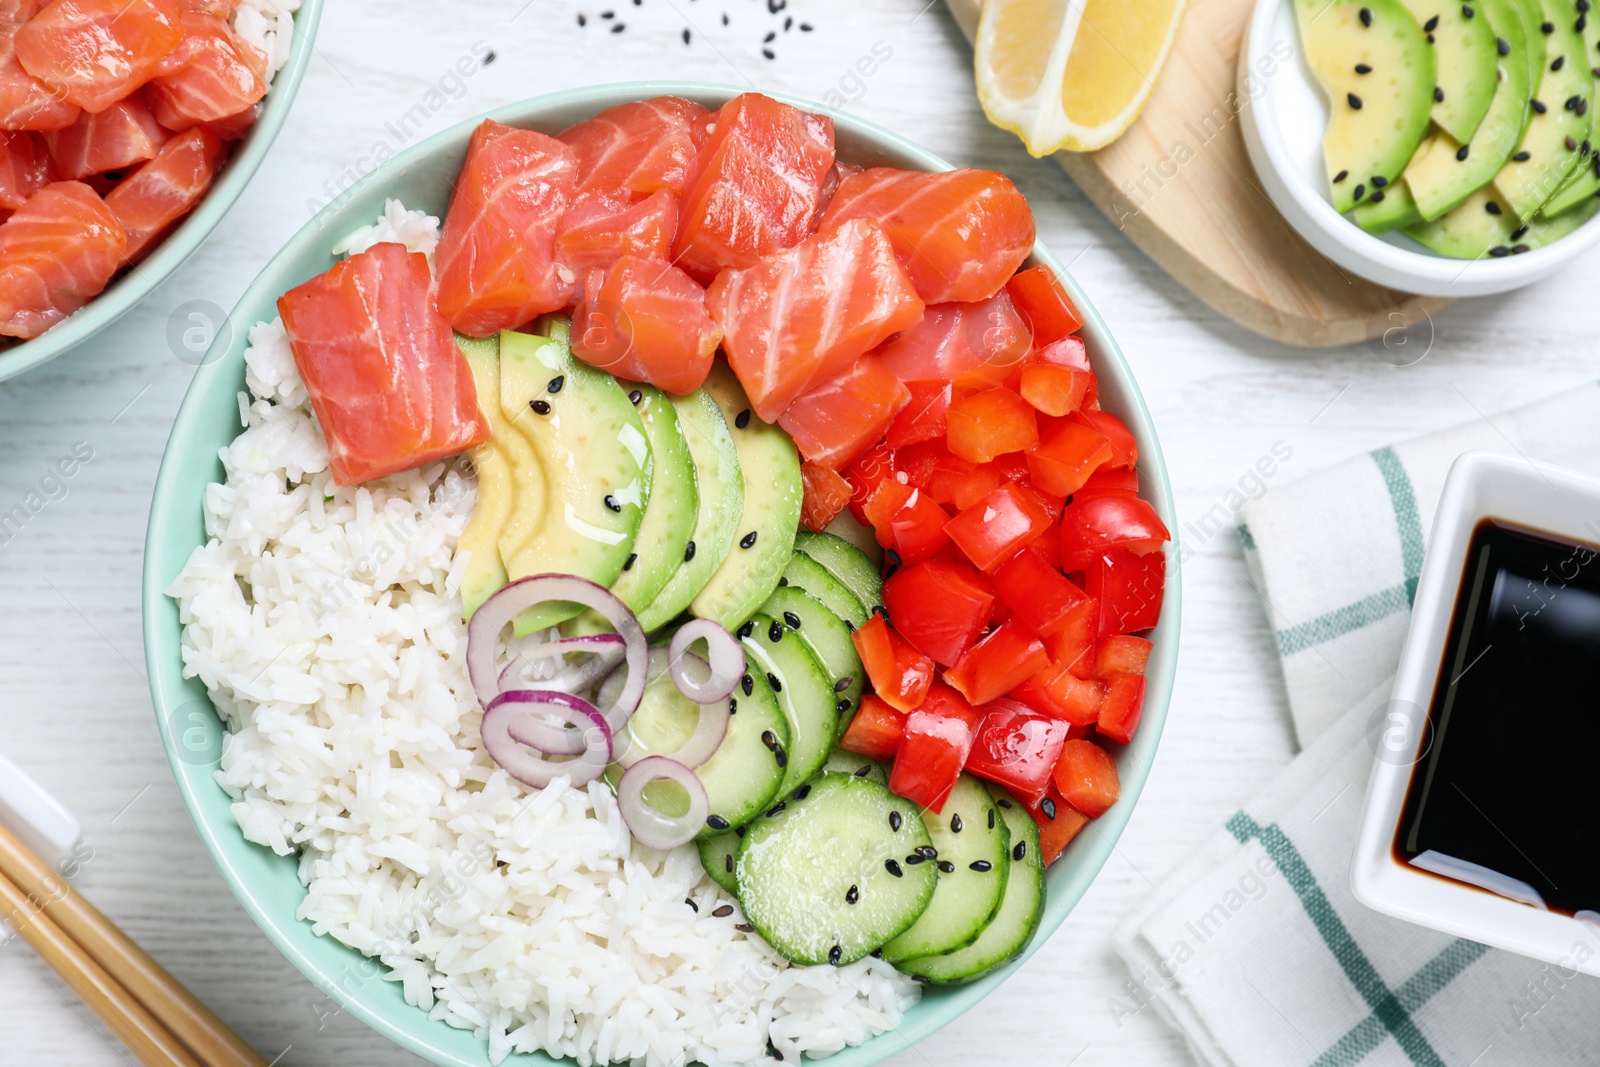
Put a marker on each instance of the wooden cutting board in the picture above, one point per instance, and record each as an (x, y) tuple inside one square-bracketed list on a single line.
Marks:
[(1211, 225)]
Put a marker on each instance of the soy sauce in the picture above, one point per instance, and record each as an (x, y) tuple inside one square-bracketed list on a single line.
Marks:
[(1506, 796)]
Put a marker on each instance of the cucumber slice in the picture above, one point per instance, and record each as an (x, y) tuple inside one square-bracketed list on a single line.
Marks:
[(969, 831), (845, 562), (717, 855), (805, 573), (827, 638), (804, 692), (1013, 926), (842, 762), (822, 880)]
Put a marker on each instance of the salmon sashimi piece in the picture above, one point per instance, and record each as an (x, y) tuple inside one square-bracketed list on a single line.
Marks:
[(636, 149), (954, 339), (756, 185), (390, 389), (24, 167), (496, 263), (211, 76), (803, 315), (646, 320), (960, 234), (95, 52), (847, 414), (16, 12), (57, 252), (222, 9), (165, 189), (26, 103), (114, 139), (600, 228)]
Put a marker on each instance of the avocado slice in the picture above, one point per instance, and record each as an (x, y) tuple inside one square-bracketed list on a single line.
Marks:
[(1559, 122), (669, 516), (1389, 208), (1465, 60), (1531, 14), (1584, 181), (1472, 230), (485, 571), (764, 536), (1375, 64), (593, 465), (720, 482)]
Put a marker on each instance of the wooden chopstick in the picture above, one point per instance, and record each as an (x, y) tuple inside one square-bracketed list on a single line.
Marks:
[(152, 1042), (161, 998)]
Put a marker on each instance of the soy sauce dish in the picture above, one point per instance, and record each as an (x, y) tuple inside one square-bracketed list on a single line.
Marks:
[(1477, 814)]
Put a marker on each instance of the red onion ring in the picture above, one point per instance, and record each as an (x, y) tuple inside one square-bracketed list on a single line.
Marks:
[(605, 652), (710, 729), (654, 828), (724, 651), (516, 726)]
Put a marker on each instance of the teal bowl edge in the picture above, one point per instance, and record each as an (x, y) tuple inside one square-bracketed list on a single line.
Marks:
[(267, 885), (142, 279)]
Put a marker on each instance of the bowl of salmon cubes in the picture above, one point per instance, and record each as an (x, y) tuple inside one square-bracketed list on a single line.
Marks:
[(127, 130), (662, 575)]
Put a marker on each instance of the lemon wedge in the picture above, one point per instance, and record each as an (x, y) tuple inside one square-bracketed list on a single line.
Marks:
[(1071, 74)]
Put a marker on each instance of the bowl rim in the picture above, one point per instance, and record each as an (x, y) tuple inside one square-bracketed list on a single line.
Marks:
[(173, 501), (1413, 269), (144, 277)]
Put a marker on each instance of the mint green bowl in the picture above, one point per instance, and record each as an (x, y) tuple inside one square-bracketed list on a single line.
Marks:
[(137, 283), (266, 884)]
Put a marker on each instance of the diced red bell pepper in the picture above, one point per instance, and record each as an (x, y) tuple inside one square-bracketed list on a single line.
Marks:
[(875, 730), (1052, 390), (1068, 352), (882, 505), (1066, 456), (994, 528), (1109, 481), (1092, 527), (1124, 449), (826, 494), (989, 424), (1129, 589), (1017, 747), (919, 461), (1044, 305), (1072, 644), (899, 673), (1122, 707), (1057, 691), (960, 483), (870, 470), (939, 607), (1001, 661), (1057, 830), (1047, 548), (923, 419), (938, 740), (915, 529), (1121, 654), (1087, 777), (1041, 596)]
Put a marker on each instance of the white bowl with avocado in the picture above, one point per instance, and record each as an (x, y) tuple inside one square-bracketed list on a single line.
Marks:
[(1437, 147)]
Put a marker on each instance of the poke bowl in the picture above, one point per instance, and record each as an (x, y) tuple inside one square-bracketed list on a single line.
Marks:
[(658, 898), (194, 168)]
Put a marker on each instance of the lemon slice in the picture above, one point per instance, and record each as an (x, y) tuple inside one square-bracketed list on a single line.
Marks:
[(1071, 74)]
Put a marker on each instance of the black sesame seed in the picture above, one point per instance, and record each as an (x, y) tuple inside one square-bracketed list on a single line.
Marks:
[(955, 823), (742, 419), (1571, 103), (915, 859), (1462, 152), (1353, 100), (981, 866), (724, 18), (688, 552), (803, 792), (727, 863), (748, 684), (1020, 851), (1517, 250), (780, 757), (1538, 106), (876, 953), (774, 682), (852, 894), (768, 53), (927, 852), (723, 912), (1048, 806), (893, 868), (805, 27), (1521, 157), (685, 36), (780, 806), (1571, 143), (843, 683), (946, 867), (1431, 25), (1466, 11), (792, 619), (689, 901), (771, 36), (894, 819), (991, 818), (772, 1050), (749, 539), (848, 625), (769, 739), (782, 581), (717, 822), (1379, 181), (842, 706), (748, 628), (1582, 108), (1362, 68), (633, 557), (618, 27), (541, 407), (1582, 23), (1376, 197), (1492, 208), (835, 954), (1518, 232), (744, 928), (634, 396), (556, 383), (1438, 95), (733, 706), (775, 632), (863, 770), (1004, 803), (1548, 27), (739, 830), (1360, 191), (1430, 38), (1582, 6), (1558, 62), (611, 502), (1341, 176), (1366, 16), (581, 20), (1503, 46), (922, 979), (1499, 251)]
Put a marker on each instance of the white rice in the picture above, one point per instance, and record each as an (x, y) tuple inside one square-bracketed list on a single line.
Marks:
[(326, 625), (269, 26)]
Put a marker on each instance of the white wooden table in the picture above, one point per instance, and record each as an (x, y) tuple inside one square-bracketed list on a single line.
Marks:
[(74, 708)]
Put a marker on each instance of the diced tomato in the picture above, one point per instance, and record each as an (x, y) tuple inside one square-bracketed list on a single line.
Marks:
[(1124, 449), (119, 137), (1057, 691), (1121, 654), (1101, 523), (994, 528), (870, 470), (25, 169), (1017, 747), (923, 419), (1067, 456), (1087, 777), (1041, 596), (1072, 646), (1129, 589), (645, 320), (390, 388), (826, 494), (1044, 303), (1057, 830), (990, 424), (600, 229), (165, 189), (1122, 707), (1108, 481), (955, 341), (939, 607), (899, 673), (997, 664), (960, 483), (875, 730), (842, 416), (917, 529), (938, 739)]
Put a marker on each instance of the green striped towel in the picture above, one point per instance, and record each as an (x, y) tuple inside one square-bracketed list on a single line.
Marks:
[(1335, 556)]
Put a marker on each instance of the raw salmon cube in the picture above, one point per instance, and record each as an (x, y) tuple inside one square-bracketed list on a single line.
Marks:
[(953, 340), (95, 52), (165, 189), (645, 320), (24, 167), (57, 252), (26, 103), (845, 415), (114, 139), (211, 76), (634, 150), (601, 228)]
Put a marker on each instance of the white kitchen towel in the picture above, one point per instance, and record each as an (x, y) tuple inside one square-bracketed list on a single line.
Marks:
[(1335, 555)]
